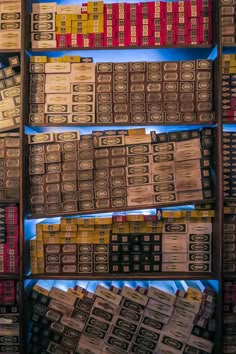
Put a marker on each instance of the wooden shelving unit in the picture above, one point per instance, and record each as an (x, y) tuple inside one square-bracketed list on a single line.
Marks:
[(25, 216)]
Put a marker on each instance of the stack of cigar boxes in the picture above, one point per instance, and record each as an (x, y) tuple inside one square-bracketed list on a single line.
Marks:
[(229, 317), (228, 13), (110, 169), (9, 238), (229, 143), (121, 320), (229, 239), (9, 166), (229, 87), (95, 24), (135, 92), (62, 90), (181, 241), (9, 317), (10, 92), (154, 92), (10, 25)]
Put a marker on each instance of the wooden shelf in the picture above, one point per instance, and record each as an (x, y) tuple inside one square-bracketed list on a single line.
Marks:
[(3, 130), (6, 51), (130, 276), (2, 201), (229, 276), (198, 46), (45, 125), (9, 276), (123, 209)]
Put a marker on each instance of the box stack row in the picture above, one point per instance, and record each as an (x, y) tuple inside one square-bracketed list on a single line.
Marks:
[(229, 239), (181, 241), (9, 239), (229, 87), (9, 317), (228, 21), (121, 320), (115, 169), (10, 25), (135, 92), (229, 144), (229, 317), (10, 92), (9, 166), (121, 24)]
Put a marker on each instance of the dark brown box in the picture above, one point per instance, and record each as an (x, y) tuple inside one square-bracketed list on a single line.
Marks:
[(104, 118), (104, 97), (53, 198), (53, 188), (137, 97), (101, 173), (102, 204), (104, 88), (69, 166), (86, 195), (120, 77), (70, 186), (104, 78), (104, 67), (117, 182), (138, 77), (121, 87), (137, 67), (101, 183), (102, 163), (84, 175), (101, 193), (154, 76), (117, 67), (120, 97), (154, 87), (121, 117), (37, 169), (53, 167), (138, 117), (85, 185)]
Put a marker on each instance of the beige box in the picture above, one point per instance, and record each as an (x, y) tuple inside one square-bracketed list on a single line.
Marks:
[(139, 191), (68, 9), (57, 83), (140, 200), (10, 7), (54, 98), (83, 72), (57, 68), (188, 144), (44, 7), (138, 139), (44, 44), (10, 40), (162, 296)]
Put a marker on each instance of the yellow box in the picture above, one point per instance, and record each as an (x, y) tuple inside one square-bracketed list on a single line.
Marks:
[(101, 239), (103, 221), (40, 248), (138, 228), (38, 59), (71, 59), (154, 230), (80, 295), (137, 217), (82, 17), (198, 213), (138, 131), (40, 264), (33, 247), (68, 234), (95, 23), (153, 224), (120, 229), (171, 213), (54, 60), (95, 7), (67, 240), (103, 227), (51, 227), (79, 30), (51, 240), (34, 265), (85, 221), (69, 227), (96, 29), (84, 239), (41, 290), (229, 210), (51, 234), (85, 228), (63, 30)]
